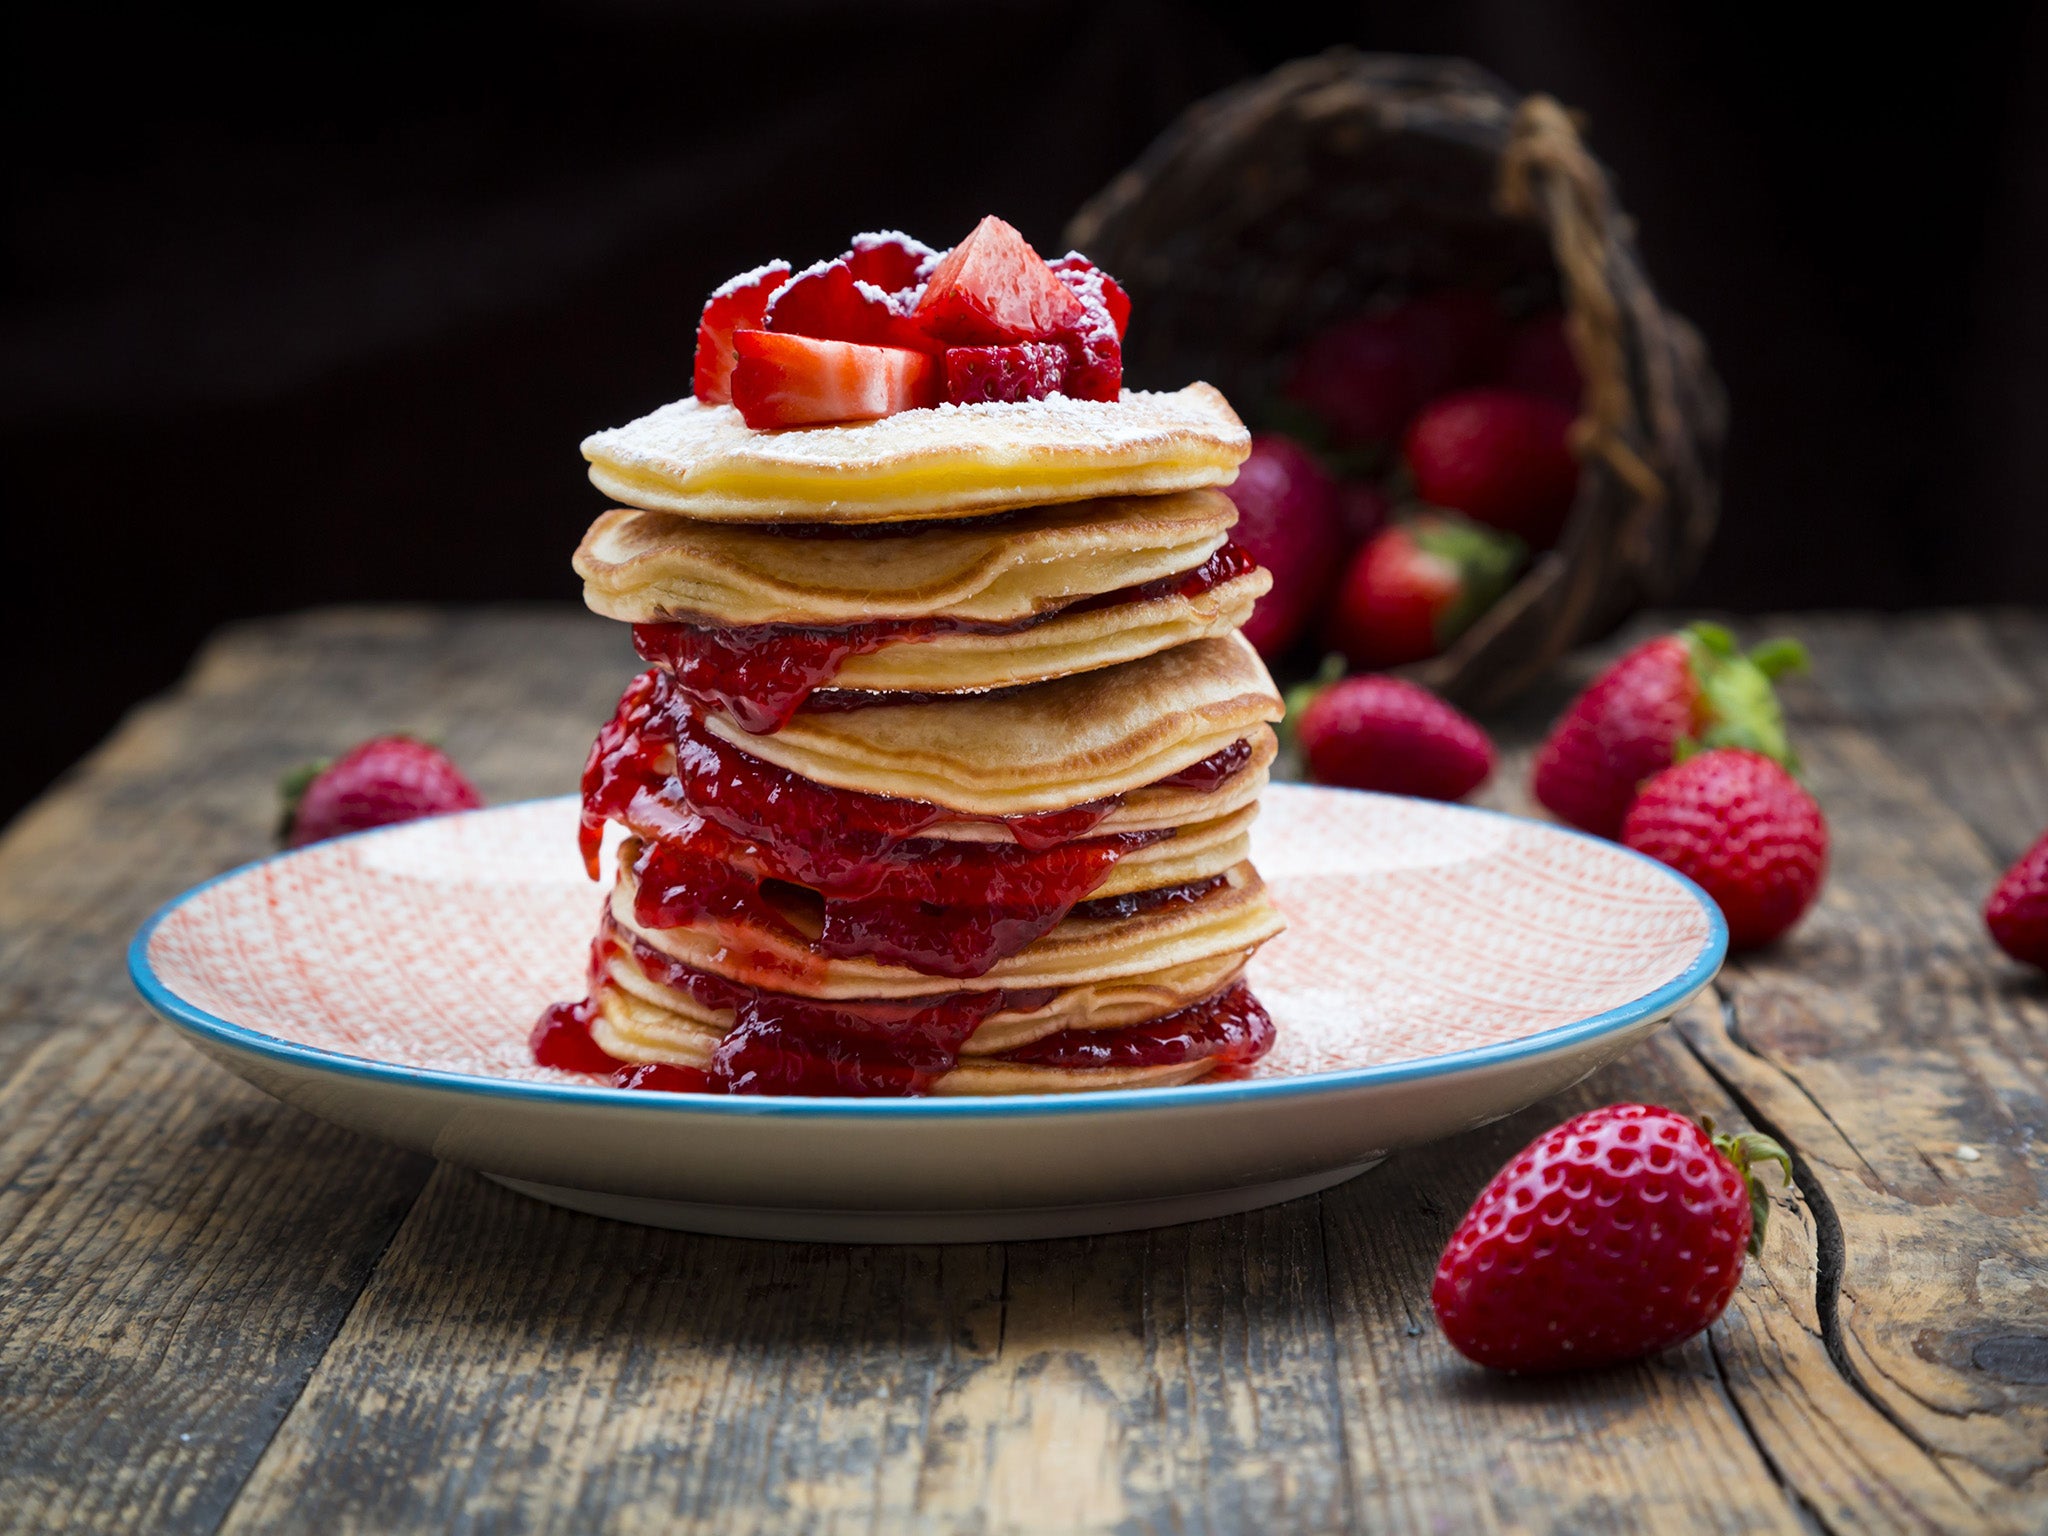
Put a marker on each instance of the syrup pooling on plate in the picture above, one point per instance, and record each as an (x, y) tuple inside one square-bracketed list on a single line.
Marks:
[(761, 674)]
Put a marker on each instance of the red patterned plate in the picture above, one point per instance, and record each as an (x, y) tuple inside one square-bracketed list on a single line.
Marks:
[(1443, 967)]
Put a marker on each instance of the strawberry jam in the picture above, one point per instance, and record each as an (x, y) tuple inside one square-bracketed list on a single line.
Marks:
[(1229, 1027), (867, 1048), (761, 674), (719, 827)]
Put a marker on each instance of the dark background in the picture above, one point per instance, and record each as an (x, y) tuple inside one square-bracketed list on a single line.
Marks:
[(318, 311)]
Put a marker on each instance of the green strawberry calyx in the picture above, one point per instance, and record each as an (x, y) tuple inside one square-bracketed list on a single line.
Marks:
[(1738, 705), (292, 789), (1486, 560), (1748, 1151), (1298, 698)]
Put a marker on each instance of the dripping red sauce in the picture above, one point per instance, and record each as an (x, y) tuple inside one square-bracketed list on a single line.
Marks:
[(760, 674), (723, 825), (869, 1048)]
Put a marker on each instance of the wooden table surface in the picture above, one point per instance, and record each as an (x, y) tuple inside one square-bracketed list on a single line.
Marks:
[(218, 1312)]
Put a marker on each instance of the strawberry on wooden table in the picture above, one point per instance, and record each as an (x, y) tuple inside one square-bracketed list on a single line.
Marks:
[(1388, 734), (799, 381), (1289, 519), (1415, 587), (1679, 691), (1619, 1233), (736, 305), (2017, 912), (1501, 456), (1740, 827), (382, 781)]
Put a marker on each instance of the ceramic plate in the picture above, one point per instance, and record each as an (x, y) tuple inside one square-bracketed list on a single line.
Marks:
[(1443, 967)]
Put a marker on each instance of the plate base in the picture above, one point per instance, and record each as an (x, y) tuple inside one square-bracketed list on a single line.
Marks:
[(983, 1226)]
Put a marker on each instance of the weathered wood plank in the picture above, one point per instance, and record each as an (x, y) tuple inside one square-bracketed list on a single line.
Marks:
[(1900, 1057), (176, 1249)]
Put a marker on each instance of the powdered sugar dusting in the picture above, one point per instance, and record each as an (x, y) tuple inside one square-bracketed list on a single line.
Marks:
[(688, 435), (733, 285)]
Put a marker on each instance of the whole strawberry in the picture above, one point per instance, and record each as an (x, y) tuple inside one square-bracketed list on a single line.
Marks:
[(1387, 734), (2017, 913), (1619, 1233), (1689, 689), (1415, 587), (1741, 827), (387, 779), (1289, 518), (1498, 455)]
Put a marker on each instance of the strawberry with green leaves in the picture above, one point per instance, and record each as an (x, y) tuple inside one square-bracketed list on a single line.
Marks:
[(1416, 586), (1617, 1234), (1666, 699)]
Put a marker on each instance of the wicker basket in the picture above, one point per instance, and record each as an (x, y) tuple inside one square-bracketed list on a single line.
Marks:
[(1274, 208)]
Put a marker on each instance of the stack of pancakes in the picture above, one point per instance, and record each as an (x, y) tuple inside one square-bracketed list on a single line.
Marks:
[(943, 776)]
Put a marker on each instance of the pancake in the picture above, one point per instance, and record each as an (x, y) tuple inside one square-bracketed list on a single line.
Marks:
[(1156, 805), (1236, 918), (1046, 747), (655, 1022), (654, 567), (634, 1030), (950, 461), (1057, 647)]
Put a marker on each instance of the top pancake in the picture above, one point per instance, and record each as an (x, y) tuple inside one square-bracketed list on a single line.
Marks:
[(655, 567), (1040, 748), (946, 462)]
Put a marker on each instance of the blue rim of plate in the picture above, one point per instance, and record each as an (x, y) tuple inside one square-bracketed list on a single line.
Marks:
[(1651, 1006)]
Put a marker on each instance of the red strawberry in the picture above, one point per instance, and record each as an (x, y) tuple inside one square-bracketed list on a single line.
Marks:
[(1537, 358), (1416, 587), (1619, 1233), (737, 305), (1365, 378), (1287, 517), (795, 381), (1689, 688), (890, 260), (1742, 829), (386, 779), (1387, 734), (1095, 351), (993, 288), (2017, 913), (1028, 370), (1088, 280), (829, 302), (1498, 455)]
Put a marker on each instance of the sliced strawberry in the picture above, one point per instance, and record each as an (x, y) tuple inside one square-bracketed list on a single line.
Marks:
[(827, 301), (734, 306), (889, 259), (1087, 279), (993, 288), (795, 381), (1029, 370)]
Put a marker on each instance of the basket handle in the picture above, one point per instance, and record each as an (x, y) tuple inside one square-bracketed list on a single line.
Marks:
[(1546, 171)]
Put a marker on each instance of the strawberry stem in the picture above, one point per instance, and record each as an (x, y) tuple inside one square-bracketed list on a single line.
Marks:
[(1748, 1150), (1774, 658)]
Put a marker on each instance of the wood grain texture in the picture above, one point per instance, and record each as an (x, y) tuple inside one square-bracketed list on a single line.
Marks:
[(357, 1340)]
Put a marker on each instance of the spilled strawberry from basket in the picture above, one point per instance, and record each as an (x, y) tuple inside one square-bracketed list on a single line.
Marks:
[(893, 325), (1742, 829), (1390, 735), (385, 780), (1290, 519), (1500, 456), (1669, 696), (1617, 1234), (2017, 912), (1416, 586)]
